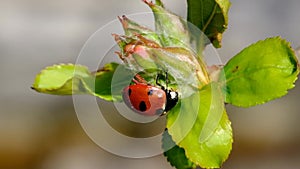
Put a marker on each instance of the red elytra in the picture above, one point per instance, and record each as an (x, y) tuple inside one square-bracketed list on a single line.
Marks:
[(149, 100), (145, 99)]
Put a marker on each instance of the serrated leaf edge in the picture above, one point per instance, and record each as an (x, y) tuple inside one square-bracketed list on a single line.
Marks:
[(284, 42)]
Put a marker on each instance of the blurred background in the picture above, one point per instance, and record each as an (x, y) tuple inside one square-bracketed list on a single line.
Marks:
[(39, 131)]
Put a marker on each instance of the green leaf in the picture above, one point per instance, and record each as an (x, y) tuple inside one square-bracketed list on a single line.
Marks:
[(175, 155), (58, 79), (173, 31), (76, 79), (210, 16), (261, 72), (199, 125), (109, 81), (159, 3)]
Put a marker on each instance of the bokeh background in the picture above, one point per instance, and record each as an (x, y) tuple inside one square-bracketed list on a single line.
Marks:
[(39, 131)]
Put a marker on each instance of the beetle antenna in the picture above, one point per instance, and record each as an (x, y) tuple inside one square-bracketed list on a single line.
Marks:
[(156, 80), (167, 80)]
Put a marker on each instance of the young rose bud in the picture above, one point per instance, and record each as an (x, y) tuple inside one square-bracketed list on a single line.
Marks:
[(132, 28), (141, 54), (133, 52), (173, 30)]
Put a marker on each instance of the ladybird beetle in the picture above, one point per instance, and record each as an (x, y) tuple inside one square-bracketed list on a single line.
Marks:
[(147, 99)]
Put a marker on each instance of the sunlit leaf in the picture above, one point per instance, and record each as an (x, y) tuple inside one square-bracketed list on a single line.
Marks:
[(58, 79), (261, 72), (75, 79), (199, 124)]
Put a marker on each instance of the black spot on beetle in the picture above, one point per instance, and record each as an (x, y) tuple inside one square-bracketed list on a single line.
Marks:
[(150, 92), (142, 106), (129, 92)]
